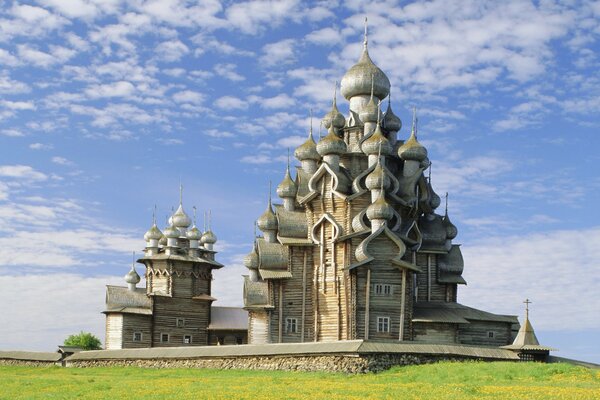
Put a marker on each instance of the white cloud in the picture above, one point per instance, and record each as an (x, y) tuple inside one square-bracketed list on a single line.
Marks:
[(227, 71), (258, 159), (62, 161), (217, 133), (279, 53), (291, 141), (10, 132), (171, 50), (230, 102), (25, 172), (40, 146), (252, 17), (281, 101), (6, 58), (42, 59), (188, 96), (325, 36), (18, 105), (115, 89), (10, 86), (74, 8), (564, 286)]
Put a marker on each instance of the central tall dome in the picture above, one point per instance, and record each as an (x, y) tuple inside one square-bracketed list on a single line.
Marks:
[(357, 250)]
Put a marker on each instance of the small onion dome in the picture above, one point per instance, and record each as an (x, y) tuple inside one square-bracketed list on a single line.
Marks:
[(391, 122), (331, 144), (251, 260), (153, 234), (451, 230), (376, 178), (208, 238), (380, 209), (357, 80), (370, 112), (412, 149), (307, 150), (376, 143), (171, 232), (434, 200), (287, 187), (132, 276), (194, 233), (180, 218), (334, 117), (267, 221)]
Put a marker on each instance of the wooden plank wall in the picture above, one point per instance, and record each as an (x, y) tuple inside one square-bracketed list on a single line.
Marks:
[(258, 332), (435, 333), (476, 333), (137, 323), (166, 312), (114, 331)]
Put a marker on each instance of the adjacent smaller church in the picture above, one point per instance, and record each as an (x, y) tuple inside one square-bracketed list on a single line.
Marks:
[(175, 308)]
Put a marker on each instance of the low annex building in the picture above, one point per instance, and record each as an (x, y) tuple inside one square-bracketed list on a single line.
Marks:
[(175, 308), (357, 250)]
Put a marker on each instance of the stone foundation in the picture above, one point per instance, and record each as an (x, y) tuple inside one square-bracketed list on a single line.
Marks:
[(27, 363), (352, 364)]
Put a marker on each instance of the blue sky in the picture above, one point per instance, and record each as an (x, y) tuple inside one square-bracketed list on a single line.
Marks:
[(105, 106)]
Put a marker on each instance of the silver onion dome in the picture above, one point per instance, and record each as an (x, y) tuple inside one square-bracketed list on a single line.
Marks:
[(132, 276), (251, 260), (357, 81), (267, 221), (370, 113), (153, 233), (194, 233), (331, 144), (180, 219), (451, 230), (377, 143), (412, 149), (287, 187), (391, 122), (334, 117), (208, 238), (376, 179), (308, 149), (171, 232), (380, 209)]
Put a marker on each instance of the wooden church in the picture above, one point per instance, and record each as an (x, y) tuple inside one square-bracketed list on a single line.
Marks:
[(175, 308), (357, 249)]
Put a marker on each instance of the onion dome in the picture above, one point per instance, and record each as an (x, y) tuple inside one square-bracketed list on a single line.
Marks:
[(380, 209), (377, 144), (194, 233), (451, 230), (334, 117), (411, 149), (251, 259), (171, 232), (287, 187), (370, 113), (391, 122), (357, 80), (208, 238), (378, 178), (132, 276), (180, 218), (267, 221), (432, 230), (308, 149), (331, 144), (162, 241), (434, 199), (153, 233)]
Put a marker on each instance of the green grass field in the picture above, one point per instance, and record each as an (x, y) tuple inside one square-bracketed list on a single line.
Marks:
[(473, 380)]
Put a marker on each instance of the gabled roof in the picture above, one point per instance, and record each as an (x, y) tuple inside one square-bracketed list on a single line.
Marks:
[(120, 299), (181, 257), (433, 311)]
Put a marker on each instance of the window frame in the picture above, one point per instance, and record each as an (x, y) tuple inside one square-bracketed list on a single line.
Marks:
[(384, 322), (491, 334), (291, 325), (180, 322), (134, 336), (190, 339), (162, 336)]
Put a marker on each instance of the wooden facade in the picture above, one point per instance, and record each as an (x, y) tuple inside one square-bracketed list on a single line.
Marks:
[(357, 250)]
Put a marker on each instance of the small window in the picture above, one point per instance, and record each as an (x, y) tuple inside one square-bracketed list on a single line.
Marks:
[(180, 323), (291, 325), (491, 334), (383, 324), (240, 340), (187, 339), (383, 289), (137, 336), (164, 337)]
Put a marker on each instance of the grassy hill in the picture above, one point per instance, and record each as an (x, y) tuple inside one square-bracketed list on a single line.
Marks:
[(472, 380)]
